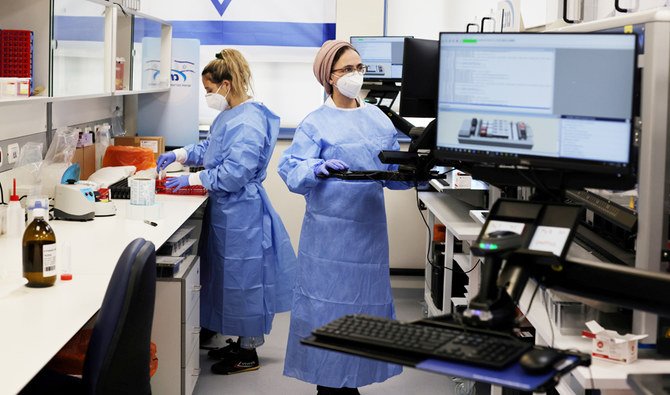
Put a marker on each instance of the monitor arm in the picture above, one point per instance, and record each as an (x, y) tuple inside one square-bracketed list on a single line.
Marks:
[(504, 279), (616, 284)]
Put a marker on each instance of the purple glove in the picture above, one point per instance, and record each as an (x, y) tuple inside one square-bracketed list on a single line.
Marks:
[(334, 164), (164, 160), (177, 183)]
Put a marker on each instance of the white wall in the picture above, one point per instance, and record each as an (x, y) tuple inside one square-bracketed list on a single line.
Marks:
[(427, 18), (359, 18)]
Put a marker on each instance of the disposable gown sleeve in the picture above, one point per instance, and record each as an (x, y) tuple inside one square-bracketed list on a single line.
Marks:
[(241, 165), (196, 153), (397, 185), (296, 166)]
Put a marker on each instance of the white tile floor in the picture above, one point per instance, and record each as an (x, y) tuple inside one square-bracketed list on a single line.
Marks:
[(268, 380)]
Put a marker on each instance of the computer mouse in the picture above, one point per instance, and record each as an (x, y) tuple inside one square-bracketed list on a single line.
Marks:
[(496, 234), (539, 360), (371, 100)]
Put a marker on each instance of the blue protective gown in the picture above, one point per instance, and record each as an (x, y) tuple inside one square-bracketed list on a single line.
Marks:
[(248, 263), (343, 262)]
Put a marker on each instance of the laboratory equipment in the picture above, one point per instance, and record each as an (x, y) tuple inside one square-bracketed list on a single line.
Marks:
[(74, 202), (56, 173), (559, 106), (39, 251)]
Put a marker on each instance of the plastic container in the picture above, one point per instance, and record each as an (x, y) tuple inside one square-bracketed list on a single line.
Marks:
[(120, 70), (23, 87), (9, 87), (16, 217)]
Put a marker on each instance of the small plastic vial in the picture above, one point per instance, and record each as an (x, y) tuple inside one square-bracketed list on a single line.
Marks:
[(65, 263)]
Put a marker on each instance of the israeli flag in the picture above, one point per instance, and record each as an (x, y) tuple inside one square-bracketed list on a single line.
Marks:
[(278, 38)]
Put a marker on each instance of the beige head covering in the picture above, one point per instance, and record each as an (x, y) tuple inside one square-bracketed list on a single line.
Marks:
[(323, 63)]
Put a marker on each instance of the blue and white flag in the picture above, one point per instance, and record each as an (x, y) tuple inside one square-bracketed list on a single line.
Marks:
[(278, 38)]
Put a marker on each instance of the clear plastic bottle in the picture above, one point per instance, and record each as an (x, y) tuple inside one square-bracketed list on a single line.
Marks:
[(39, 251), (16, 216)]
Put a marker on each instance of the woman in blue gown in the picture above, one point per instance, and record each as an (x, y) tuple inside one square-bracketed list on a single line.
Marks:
[(248, 263), (343, 263)]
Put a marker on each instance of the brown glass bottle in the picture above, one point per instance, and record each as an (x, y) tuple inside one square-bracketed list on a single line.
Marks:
[(39, 252)]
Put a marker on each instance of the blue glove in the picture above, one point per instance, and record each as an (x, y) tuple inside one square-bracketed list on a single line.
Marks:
[(164, 160), (334, 164), (177, 183)]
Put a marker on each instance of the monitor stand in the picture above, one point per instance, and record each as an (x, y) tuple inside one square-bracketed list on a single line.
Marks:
[(384, 94)]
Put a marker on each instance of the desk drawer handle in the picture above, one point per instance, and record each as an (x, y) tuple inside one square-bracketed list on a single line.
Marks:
[(197, 288), (196, 372), (196, 330)]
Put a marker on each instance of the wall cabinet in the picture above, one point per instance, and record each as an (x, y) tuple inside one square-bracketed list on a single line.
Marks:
[(76, 45)]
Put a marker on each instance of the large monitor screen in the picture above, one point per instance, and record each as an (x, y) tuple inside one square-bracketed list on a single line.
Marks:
[(558, 101), (381, 55)]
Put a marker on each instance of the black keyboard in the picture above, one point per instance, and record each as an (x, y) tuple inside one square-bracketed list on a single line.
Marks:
[(454, 343), (372, 175)]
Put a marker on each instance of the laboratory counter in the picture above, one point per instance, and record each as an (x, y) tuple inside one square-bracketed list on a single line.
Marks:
[(37, 322)]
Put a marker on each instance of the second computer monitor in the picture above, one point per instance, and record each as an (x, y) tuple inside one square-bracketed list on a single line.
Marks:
[(553, 101), (419, 78), (381, 55)]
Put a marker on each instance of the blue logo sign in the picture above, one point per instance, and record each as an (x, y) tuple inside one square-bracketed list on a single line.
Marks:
[(221, 5), (178, 74)]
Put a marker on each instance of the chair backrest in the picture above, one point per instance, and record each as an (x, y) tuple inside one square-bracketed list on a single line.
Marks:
[(117, 359)]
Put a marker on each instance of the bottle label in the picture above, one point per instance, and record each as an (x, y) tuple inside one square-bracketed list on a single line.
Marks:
[(49, 260)]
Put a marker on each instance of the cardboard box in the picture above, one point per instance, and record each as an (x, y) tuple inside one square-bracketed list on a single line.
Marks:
[(85, 157), (155, 143), (611, 346)]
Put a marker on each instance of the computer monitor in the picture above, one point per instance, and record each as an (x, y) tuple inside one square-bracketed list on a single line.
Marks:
[(419, 78), (382, 56), (560, 102)]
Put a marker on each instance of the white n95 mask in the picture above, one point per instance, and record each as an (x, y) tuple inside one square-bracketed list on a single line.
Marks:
[(350, 84), (216, 101)]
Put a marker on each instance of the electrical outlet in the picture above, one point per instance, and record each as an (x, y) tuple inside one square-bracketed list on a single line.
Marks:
[(12, 153)]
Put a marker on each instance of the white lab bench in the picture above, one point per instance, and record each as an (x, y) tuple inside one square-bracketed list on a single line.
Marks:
[(37, 322), (464, 224)]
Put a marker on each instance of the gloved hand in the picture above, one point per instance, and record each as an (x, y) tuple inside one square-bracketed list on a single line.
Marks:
[(334, 164), (177, 183), (164, 160)]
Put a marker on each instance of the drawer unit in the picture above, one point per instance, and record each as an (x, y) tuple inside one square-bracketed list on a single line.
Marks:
[(176, 330)]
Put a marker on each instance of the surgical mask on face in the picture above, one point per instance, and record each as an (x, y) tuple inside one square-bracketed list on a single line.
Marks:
[(350, 84), (216, 101)]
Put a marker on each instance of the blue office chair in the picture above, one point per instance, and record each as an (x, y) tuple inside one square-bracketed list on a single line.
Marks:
[(118, 356)]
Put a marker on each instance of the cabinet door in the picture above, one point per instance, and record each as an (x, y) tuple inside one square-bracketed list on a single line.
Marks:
[(78, 46), (150, 65)]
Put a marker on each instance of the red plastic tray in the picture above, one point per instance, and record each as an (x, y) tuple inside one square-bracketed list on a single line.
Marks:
[(16, 53), (189, 190)]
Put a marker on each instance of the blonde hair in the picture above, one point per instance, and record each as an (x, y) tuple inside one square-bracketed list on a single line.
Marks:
[(232, 66)]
